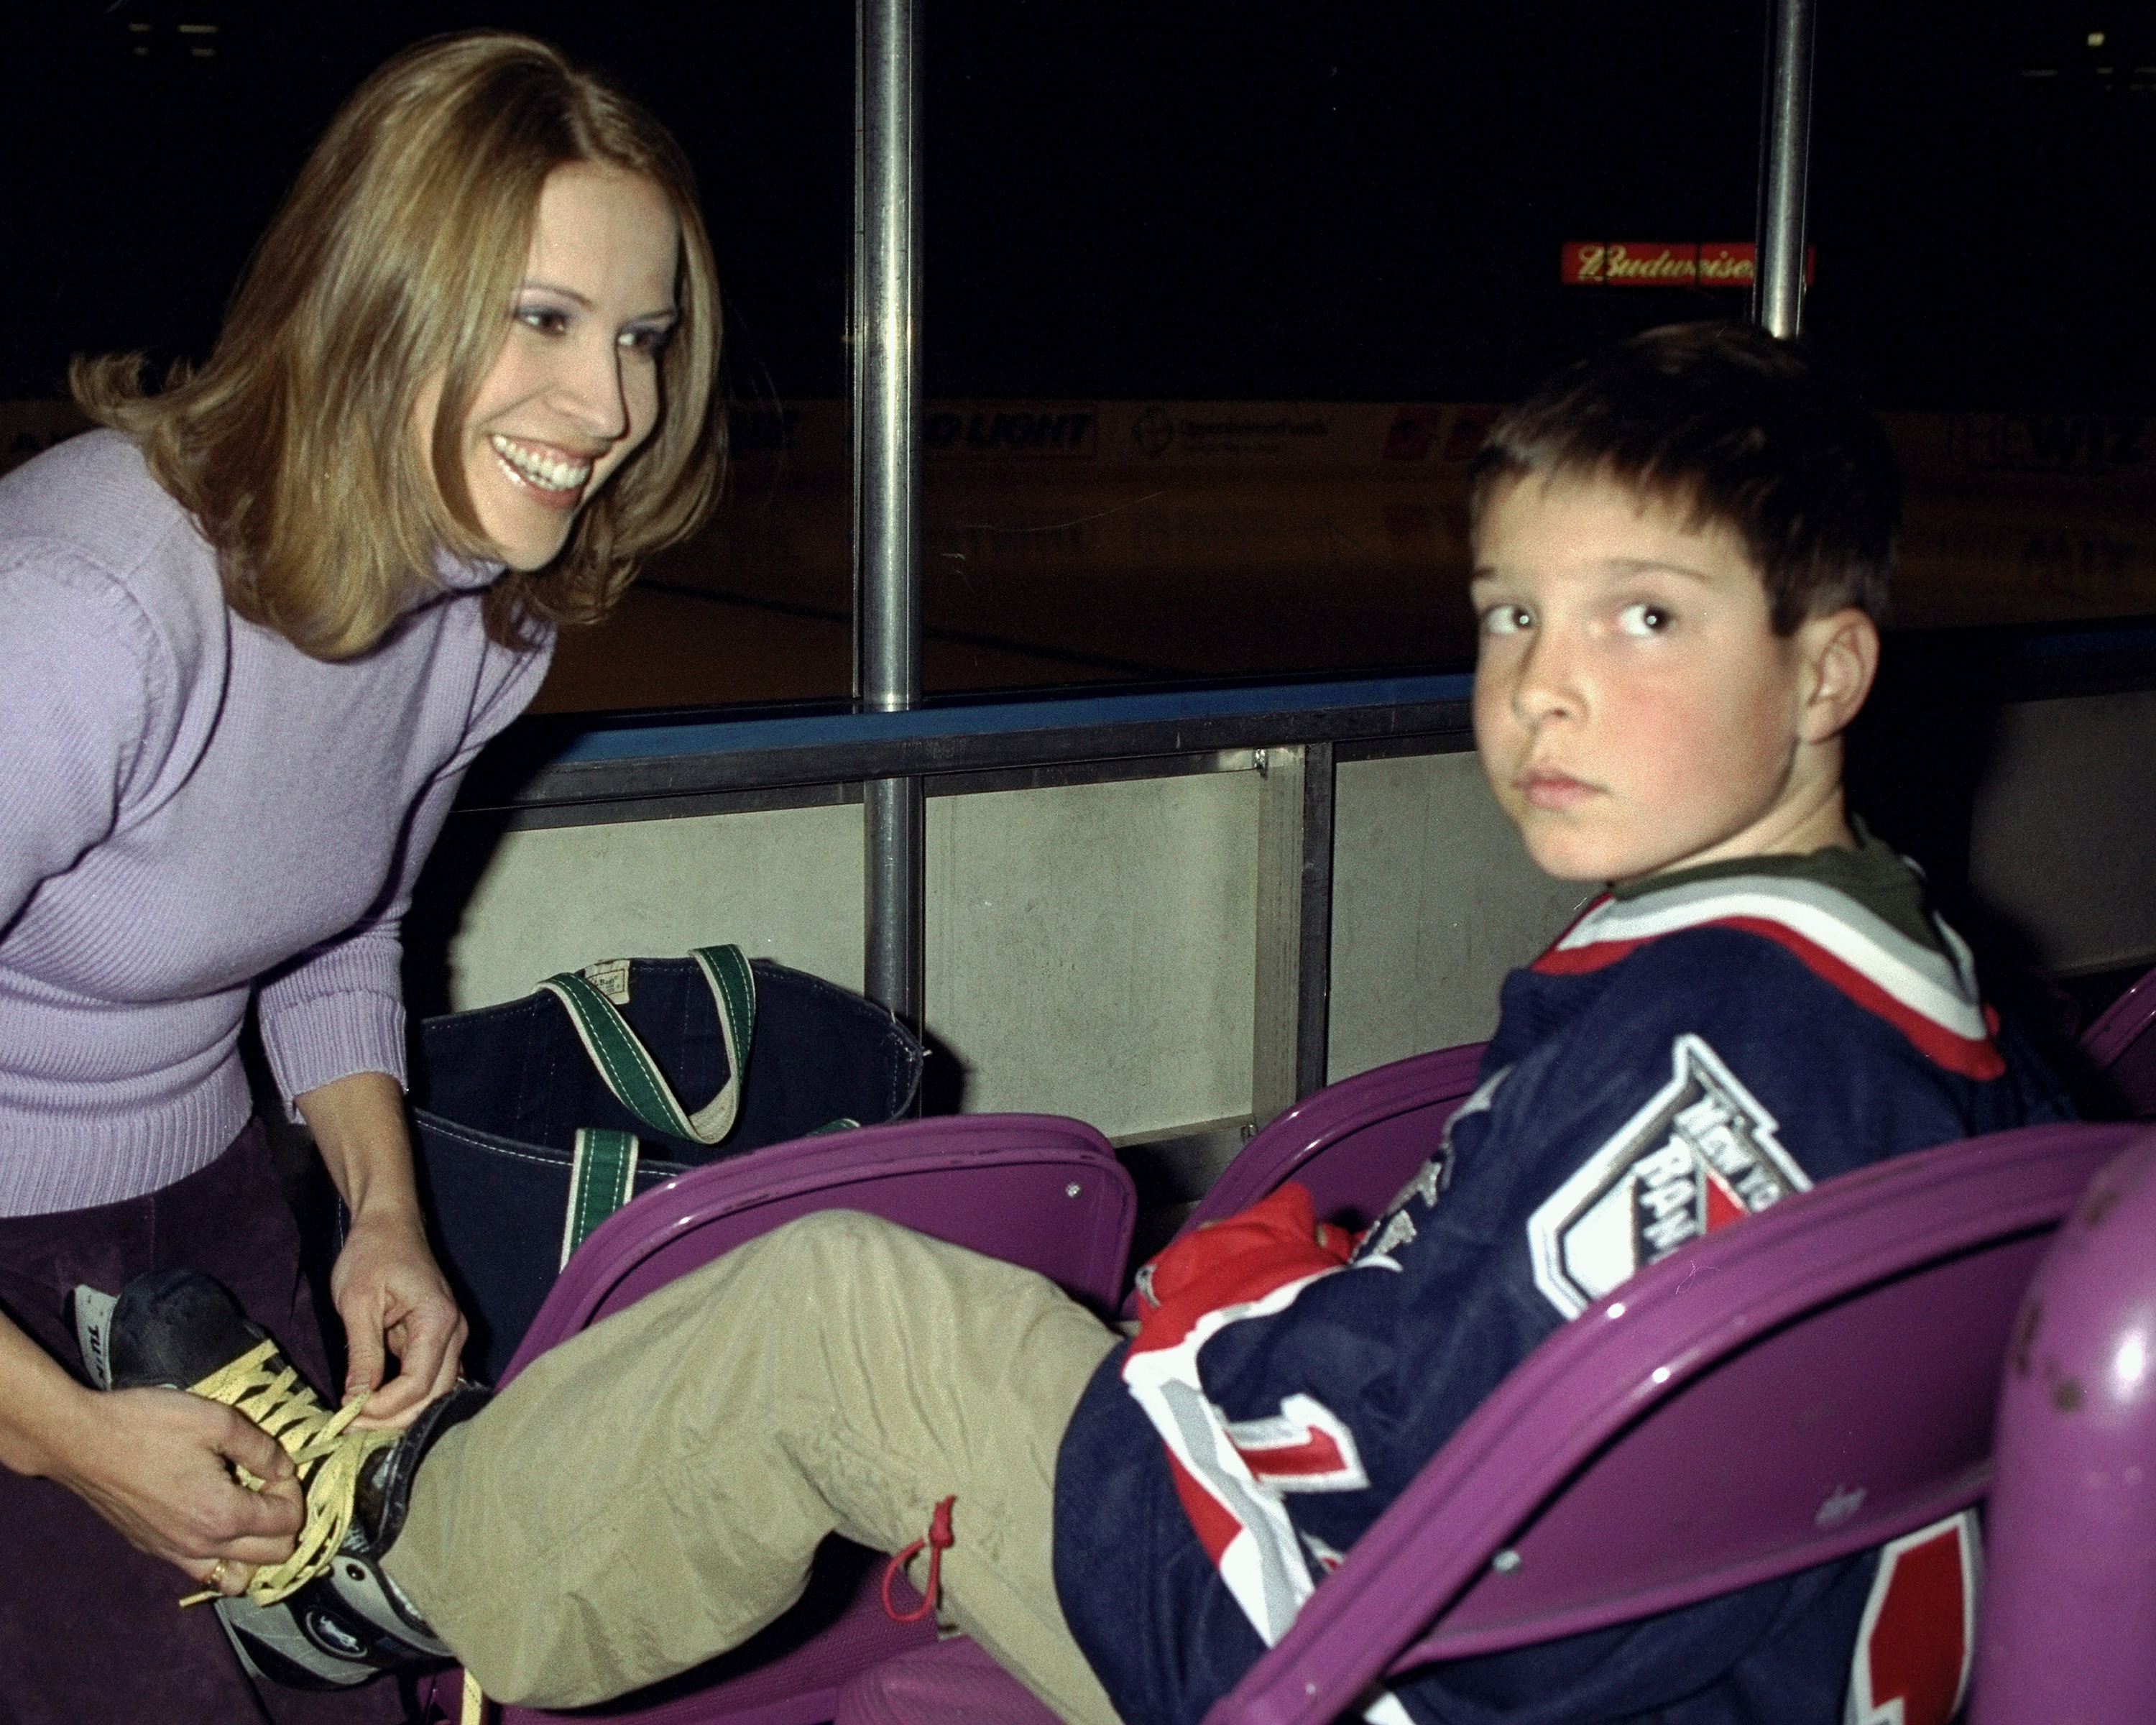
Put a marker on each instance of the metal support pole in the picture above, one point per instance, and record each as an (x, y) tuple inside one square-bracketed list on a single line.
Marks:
[(1785, 146), (886, 364), (1291, 1015)]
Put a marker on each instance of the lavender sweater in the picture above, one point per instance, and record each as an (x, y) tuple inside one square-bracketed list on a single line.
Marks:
[(192, 810)]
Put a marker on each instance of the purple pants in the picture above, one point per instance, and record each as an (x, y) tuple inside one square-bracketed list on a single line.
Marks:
[(89, 1628)]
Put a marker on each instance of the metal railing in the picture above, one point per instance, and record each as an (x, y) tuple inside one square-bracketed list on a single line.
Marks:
[(887, 299), (1785, 146), (887, 378), (557, 772), (584, 770)]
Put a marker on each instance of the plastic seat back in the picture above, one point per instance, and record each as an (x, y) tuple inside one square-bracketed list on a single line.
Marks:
[(1036, 1190), (954, 1682), (2069, 1618), (2122, 1045), (1355, 1143), (1814, 1382), (1809, 1384)]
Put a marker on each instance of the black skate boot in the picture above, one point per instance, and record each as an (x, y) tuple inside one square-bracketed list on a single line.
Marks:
[(328, 1616)]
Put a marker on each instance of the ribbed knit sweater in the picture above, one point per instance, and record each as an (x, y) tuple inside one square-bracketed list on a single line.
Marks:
[(193, 811)]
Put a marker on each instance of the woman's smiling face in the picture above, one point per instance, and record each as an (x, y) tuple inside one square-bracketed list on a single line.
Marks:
[(575, 387)]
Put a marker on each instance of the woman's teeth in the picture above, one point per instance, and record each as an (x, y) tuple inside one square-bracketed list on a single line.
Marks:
[(549, 473)]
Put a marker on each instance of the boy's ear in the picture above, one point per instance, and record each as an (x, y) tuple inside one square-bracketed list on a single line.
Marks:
[(1838, 656)]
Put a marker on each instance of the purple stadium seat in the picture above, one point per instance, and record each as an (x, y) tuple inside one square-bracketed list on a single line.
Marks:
[(1353, 1144), (1819, 1380), (1034, 1189), (2122, 1045), (953, 1682), (2069, 1617)]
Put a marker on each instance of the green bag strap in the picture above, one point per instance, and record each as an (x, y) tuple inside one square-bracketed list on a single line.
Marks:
[(601, 1179), (634, 1077)]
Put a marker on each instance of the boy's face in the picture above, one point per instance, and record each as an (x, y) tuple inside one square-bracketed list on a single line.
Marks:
[(1634, 711)]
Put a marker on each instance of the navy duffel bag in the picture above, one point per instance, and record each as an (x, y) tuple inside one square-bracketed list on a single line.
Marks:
[(534, 1120)]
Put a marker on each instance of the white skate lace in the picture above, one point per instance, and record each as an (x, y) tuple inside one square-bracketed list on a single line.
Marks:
[(327, 1457)]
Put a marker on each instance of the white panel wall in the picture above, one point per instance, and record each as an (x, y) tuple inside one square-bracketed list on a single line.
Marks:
[(1091, 950), (1433, 900), (784, 884), (2063, 841)]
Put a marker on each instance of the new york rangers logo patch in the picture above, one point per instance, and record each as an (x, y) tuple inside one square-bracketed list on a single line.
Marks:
[(1700, 1155)]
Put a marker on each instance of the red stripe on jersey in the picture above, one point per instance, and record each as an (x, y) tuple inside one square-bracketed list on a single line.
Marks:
[(1973, 1058), (1314, 1454), (1586, 911), (1596, 955), (1215, 1528)]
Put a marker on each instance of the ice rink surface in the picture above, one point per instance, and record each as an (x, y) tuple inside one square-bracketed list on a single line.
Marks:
[(1089, 541)]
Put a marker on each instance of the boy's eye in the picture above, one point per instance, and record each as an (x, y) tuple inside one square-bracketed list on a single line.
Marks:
[(1506, 620), (1643, 619)]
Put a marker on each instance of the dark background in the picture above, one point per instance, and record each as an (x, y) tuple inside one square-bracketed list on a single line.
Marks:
[(1362, 199)]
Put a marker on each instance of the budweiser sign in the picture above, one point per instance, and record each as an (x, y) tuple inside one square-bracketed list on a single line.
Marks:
[(1645, 263)]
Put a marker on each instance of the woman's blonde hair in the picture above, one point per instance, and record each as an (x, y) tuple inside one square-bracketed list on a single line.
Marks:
[(395, 260)]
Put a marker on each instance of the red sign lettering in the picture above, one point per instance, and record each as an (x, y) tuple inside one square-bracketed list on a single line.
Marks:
[(1653, 263)]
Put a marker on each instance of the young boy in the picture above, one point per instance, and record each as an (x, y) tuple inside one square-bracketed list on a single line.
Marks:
[(1682, 549)]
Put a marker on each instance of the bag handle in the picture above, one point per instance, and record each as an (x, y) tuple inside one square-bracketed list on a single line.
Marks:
[(634, 1077), (601, 1179)]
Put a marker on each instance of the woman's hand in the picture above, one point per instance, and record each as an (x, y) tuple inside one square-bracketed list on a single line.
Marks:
[(157, 1464), (388, 1289), (393, 1299)]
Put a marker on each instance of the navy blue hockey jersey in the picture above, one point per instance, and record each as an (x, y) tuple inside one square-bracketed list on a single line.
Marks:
[(1689, 1051)]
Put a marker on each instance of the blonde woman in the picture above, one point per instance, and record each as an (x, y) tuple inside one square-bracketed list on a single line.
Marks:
[(251, 634)]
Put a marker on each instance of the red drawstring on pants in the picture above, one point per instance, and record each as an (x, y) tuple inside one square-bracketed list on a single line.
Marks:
[(937, 1541)]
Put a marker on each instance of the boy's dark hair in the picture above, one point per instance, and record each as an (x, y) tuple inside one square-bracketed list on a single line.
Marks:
[(1727, 423)]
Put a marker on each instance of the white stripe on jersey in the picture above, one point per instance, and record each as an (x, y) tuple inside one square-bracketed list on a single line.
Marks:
[(1941, 988), (1262, 1565)]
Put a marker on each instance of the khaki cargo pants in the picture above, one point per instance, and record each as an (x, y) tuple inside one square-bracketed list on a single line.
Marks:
[(651, 1492)]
